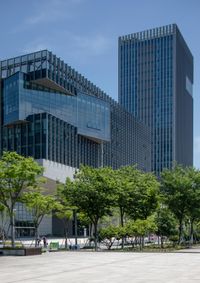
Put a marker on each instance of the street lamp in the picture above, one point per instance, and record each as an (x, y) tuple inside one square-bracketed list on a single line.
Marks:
[(75, 226)]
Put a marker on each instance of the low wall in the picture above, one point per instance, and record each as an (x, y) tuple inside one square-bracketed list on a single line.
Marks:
[(21, 252)]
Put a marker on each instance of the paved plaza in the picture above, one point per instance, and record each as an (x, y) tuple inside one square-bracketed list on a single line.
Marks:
[(111, 267)]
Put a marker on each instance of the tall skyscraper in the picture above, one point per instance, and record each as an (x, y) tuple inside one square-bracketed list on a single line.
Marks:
[(155, 84)]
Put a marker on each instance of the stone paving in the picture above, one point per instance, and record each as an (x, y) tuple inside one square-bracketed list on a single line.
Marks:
[(111, 267)]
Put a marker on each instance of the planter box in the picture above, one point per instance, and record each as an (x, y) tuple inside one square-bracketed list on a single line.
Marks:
[(21, 251), (33, 251)]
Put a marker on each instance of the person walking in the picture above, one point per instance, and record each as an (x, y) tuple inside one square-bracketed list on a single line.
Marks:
[(38, 241), (45, 242)]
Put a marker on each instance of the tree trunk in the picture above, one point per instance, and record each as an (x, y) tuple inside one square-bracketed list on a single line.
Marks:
[(90, 234), (136, 241), (191, 232), (12, 224), (140, 243), (132, 242), (180, 232), (36, 236), (90, 230), (2, 229), (161, 242), (95, 235), (65, 224), (66, 246), (66, 235), (122, 224), (75, 227)]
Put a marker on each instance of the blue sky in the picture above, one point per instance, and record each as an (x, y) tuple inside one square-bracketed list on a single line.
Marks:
[(84, 33)]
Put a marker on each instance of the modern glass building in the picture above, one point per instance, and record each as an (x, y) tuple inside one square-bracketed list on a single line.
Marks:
[(50, 111), (155, 84)]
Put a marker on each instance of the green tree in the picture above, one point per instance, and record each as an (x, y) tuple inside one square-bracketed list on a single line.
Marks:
[(39, 205), (176, 189), (143, 196), (92, 193), (2, 221), (17, 174), (108, 235), (124, 181), (140, 228), (64, 211), (193, 205), (166, 224)]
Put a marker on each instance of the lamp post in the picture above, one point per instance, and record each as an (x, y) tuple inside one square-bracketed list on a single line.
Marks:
[(75, 227)]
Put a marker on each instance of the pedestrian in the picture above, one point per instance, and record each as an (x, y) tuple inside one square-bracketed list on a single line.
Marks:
[(45, 242), (38, 241)]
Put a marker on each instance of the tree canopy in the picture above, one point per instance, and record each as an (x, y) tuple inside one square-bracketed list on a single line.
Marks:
[(39, 205), (17, 174), (181, 191), (92, 193)]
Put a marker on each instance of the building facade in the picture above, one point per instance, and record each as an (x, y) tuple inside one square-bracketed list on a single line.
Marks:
[(52, 113), (155, 84)]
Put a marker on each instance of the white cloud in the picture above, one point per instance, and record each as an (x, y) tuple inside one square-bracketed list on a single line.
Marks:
[(37, 44), (78, 47), (36, 19), (93, 45), (48, 11), (52, 11)]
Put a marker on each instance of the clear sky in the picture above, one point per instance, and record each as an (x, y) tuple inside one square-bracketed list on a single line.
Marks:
[(84, 33)]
